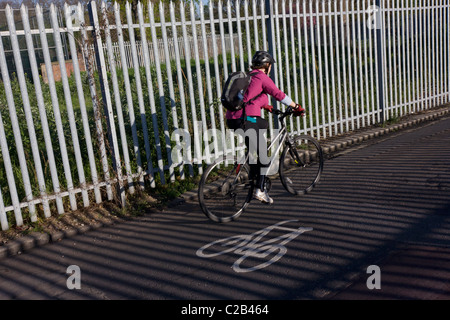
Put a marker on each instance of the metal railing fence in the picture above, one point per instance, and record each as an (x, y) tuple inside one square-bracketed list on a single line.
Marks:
[(94, 130)]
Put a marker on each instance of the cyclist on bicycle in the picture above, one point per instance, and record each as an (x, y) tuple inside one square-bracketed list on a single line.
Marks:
[(260, 83)]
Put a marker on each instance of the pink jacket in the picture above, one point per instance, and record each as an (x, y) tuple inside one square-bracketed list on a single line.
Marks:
[(260, 83)]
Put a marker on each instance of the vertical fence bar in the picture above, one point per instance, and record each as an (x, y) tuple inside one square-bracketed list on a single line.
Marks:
[(81, 101), (439, 23), (448, 52), (351, 40), (404, 58), (42, 111), (354, 72), (401, 60), (409, 56), (314, 67), (270, 27), (432, 74), (16, 130), (181, 87), (294, 60), (422, 65), (417, 61), (162, 101), (428, 55), (344, 70), (129, 98), (279, 81), (197, 140), (380, 61), (447, 58), (247, 33), (412, 37), (367, 63), (264, 5), (385, 58), (368, 32), (320, 71), (361, 64), (209, 84), (222, 40), (256, 35), (69, 106), (4, 146), (373, 72), (378, 18), (237, 9), (141, 103), (425, 72), (308, 75), (396, 57), (444, 61), (338, 67), (3, 216), (117, 98), (106, 97), (230, 33), (391, 57), (440, 52), (434, 52), (28, 115), (419, 54), (327, 72), (300, 49), (170, 82), (217, 75), (288, 60), (89, 62), (200, 82)]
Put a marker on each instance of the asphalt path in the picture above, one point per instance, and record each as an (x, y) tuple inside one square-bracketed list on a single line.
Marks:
[(385, 198)]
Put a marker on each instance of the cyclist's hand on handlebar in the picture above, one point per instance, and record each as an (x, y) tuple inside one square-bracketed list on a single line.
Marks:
[(298, 110)]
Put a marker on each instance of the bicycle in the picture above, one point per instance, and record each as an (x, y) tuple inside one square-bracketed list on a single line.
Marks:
[(226, 189)]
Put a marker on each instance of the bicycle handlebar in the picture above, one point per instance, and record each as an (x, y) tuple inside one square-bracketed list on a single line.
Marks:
[(289, 111)]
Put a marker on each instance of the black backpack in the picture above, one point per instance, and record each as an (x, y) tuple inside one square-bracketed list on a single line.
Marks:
[(234, 90)]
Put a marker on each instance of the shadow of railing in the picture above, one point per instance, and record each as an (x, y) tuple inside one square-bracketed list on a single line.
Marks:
[(369, 203)]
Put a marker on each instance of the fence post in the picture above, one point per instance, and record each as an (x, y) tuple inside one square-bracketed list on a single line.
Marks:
[(380, 50), (107, 105), (269, 28)]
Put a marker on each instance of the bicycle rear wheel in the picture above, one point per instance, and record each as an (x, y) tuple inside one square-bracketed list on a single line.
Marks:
[(301, 165), (225, 190)]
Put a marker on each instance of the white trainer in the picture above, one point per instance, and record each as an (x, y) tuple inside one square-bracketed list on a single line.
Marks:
[(263, 196)]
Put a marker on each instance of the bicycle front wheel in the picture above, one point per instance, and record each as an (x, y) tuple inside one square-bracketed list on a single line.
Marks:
[(301, 165), (225, 190)]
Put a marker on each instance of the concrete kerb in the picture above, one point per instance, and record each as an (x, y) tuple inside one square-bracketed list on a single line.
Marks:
[(36, 239)]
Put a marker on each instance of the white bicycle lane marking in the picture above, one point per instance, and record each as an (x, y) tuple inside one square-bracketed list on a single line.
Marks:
[(249, 246)]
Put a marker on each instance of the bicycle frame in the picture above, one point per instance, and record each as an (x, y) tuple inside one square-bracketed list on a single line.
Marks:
[(280, 138)]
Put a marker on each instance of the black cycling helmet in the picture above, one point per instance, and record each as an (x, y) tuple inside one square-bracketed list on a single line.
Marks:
[(262, 59)]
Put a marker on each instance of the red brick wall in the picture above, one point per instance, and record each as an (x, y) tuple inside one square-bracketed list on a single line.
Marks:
[(57, 71)]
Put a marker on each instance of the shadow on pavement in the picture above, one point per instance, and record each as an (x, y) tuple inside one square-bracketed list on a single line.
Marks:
[(391, 199)]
